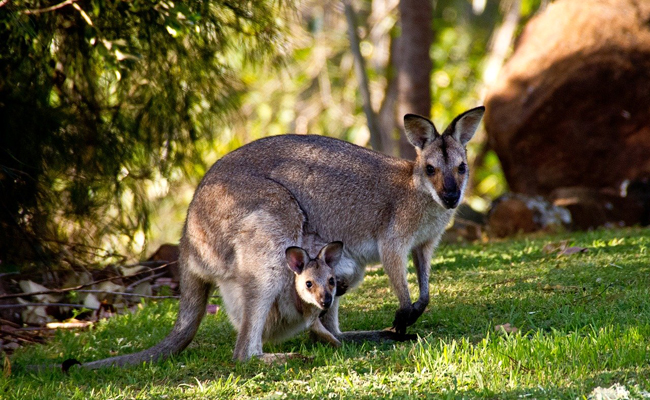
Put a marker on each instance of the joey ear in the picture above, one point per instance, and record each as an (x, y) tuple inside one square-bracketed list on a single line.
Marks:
[(297, 258), (419, 130), (463, 127), (331, 253)]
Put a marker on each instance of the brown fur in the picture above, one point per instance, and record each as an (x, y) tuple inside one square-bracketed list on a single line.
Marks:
[(281, 191)]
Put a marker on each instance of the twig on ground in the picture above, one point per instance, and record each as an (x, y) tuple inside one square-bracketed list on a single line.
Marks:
[(10, 323), (512, 280), (518, 363), (591, 297), (70, 289), (22, 337), (147, 296), (148, 278), (46, 305)]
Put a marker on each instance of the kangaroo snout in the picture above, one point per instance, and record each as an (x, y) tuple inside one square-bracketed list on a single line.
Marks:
[(326, 301), (451, 199)]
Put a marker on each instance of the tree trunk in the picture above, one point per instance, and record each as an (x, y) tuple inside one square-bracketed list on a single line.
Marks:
[(387, 112), (362, 77), (414, 76)]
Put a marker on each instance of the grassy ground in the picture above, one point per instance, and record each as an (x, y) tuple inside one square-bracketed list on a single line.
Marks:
[(583, 321)]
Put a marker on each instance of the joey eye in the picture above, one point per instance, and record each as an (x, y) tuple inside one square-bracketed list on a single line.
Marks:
[(462, 168), (430, 170), (332, 283), (309, 284)]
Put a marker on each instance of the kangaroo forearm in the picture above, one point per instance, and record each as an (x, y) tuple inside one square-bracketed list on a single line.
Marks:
[(395, 268), (422, 261)]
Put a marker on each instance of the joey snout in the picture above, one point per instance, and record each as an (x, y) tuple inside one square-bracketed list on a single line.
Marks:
[(325, 300)]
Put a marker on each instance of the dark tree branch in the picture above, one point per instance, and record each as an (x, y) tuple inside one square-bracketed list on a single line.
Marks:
[(146, 296), (46, 305), (46, 9), (22, 337), (70, 289)]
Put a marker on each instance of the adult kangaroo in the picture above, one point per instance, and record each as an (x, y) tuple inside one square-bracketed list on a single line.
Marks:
[(277, 192)]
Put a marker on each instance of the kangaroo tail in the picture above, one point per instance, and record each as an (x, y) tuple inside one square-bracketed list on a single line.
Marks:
[(194, 298), (387, 335)]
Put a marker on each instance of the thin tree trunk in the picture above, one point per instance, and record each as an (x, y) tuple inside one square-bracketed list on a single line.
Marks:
[(362, 78), (387, 111), (414, 77), (500, 44)]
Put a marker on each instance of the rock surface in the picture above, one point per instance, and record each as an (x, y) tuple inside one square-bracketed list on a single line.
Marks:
[(515, 213), (571, 107)]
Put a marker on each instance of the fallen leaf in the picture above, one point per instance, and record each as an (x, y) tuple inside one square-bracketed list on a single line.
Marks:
[(573, 250), (560, 288), (32, 287), (506, 328), (143, 288), (34, 315), (614, 392), (563, 249), (91, 301), (551, 248)]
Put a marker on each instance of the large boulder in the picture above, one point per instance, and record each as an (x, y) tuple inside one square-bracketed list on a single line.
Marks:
[(571, 107)]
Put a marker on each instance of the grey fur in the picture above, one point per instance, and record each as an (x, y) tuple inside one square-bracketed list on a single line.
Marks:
[(281, 191)]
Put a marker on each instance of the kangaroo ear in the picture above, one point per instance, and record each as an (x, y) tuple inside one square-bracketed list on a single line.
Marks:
[(297, 258), (331, 253), (419, 130), (463, 127)]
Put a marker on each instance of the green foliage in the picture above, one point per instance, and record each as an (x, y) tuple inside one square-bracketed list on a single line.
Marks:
[(316, 90), (102, 102), (106, 108), (583, 322)]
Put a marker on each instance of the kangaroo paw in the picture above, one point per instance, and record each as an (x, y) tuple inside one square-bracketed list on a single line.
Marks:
[(400, 337)]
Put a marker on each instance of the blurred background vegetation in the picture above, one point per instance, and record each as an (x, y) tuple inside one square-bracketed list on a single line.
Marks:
[(111, 112)]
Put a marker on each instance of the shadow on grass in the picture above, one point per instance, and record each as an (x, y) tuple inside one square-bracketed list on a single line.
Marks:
[(566, 299)]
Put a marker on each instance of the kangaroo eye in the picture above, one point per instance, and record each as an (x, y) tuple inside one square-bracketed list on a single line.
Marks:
[(332, 283), (308, 283), (462, 168), (430, 170)]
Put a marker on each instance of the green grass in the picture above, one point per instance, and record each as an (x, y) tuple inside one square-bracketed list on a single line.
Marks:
[(583, 321)]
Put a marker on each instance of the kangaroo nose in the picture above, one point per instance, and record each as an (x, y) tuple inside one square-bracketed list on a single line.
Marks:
[(451, 199), (327, 301)]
